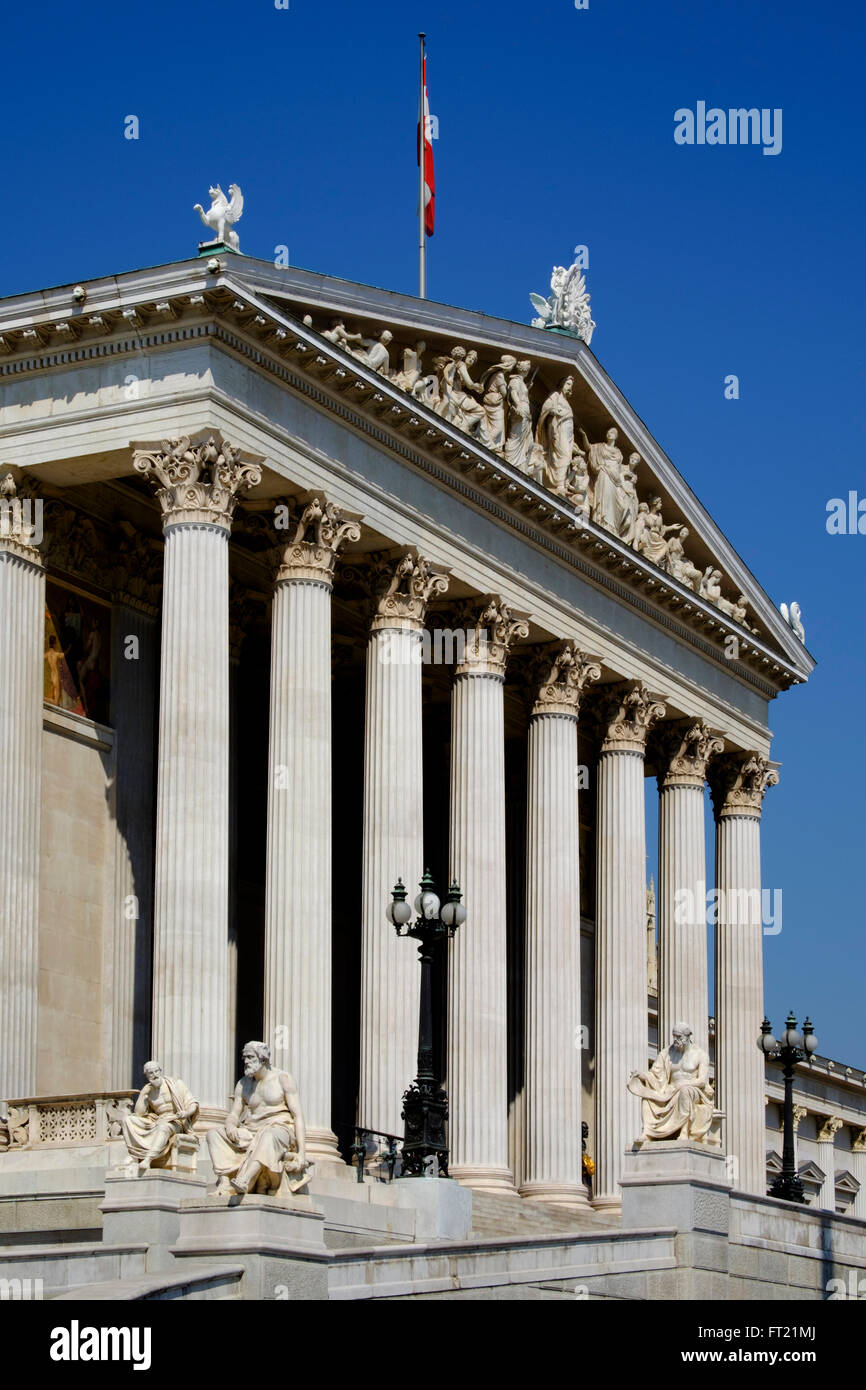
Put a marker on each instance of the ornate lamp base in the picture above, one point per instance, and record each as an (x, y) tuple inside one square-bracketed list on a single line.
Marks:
[(425, 1111)]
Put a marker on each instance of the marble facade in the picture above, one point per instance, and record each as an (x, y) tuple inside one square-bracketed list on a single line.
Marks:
[(290, 538)]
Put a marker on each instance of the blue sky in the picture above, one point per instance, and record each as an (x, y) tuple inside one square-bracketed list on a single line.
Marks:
[(555, 128)]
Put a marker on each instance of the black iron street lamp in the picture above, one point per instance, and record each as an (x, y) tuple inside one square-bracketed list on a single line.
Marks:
[(425, 1104), (793, 1047)]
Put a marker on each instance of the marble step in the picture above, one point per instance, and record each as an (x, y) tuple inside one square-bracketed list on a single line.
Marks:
[(493, 1215)]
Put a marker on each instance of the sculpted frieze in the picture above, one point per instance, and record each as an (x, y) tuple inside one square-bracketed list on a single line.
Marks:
[(497, 407)]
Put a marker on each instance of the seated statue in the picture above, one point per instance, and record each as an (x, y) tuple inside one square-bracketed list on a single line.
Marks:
[(676, 1094), (262, 1146), (164, 1109)]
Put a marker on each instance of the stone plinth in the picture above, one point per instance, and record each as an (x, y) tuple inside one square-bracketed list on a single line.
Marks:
[(279, 1240), (672, 1184), (145, 1210)]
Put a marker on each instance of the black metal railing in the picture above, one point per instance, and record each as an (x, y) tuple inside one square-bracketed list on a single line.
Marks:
[(387, 1154)]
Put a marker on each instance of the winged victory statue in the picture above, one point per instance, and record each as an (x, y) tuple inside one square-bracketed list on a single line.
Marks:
[(568, 307)]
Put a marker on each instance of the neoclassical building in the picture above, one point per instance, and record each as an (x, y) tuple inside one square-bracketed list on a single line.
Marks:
[(306, 587)]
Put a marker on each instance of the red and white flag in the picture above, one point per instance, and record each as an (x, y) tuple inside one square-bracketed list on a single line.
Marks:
[(429, 186)]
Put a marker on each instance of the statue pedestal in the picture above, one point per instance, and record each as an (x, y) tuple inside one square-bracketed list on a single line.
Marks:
[(667, 1183), (146, 1210), (280, 1241), (216, 248)]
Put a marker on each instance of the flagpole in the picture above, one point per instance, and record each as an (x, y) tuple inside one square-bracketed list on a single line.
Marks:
[(422, 161)]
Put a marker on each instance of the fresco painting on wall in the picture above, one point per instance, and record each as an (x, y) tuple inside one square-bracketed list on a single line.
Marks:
[(77, 652)]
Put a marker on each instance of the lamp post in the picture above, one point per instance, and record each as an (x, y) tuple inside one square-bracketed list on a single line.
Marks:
[(793, 1047), (425, 1104)]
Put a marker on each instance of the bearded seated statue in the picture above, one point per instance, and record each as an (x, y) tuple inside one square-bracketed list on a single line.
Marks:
[(261, 1147), (676, 1094), (164, 1113)]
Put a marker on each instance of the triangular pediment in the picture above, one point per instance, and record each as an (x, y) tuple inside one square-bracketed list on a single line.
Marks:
[(624, 488), (548, 471)]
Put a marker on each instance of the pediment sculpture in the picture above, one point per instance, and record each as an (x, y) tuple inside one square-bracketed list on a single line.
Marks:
[(494, 406)]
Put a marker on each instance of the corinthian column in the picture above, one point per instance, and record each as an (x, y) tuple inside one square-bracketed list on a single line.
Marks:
[(552, 1164), (626, 714), (298, 898), (685, 748), (22, 627), (197, 487), (477, 996), (393, 836), (738, 782)]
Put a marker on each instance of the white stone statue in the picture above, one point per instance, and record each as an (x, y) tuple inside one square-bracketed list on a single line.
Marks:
[(411, 369), (578, 484), (456, 391), (165, 1107), (494, 382), (735, 609), (650, 533), (793, 619), (676, 1094), (609, 508), (222, 215), (676, 562), (568, 307), (338, 334), (375, 353), (711, 584), (518, 435), (262, 1147), (554, 438)]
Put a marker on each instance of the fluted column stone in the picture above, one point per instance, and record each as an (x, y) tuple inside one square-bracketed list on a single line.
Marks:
[(477, 985), (685, 748), (22, 627), (300, 825), (738, 782), (552, 1168), (626, 714), (393, 836), (197, 487)]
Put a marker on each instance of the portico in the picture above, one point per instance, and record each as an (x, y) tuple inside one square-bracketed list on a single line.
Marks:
[(355, 519)]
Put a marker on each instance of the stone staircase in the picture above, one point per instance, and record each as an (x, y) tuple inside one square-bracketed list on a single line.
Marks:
[(494, 1215)]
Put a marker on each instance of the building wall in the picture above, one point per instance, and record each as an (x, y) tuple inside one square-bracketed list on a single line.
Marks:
[(76, 887)]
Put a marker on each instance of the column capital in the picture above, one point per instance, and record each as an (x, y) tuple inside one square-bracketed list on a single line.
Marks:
[(685, 747), (800, 1113), (561, 674), (829, 1129), (858, 1144), (409, 583), (197, 484), (738, 784), (18, 532), (626, 712), (322, 530), (489, 642)]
